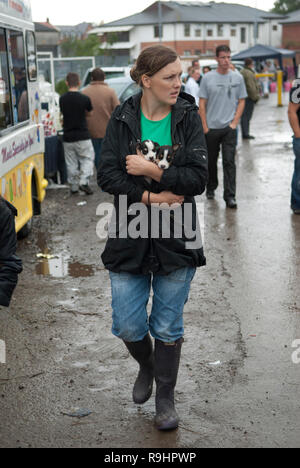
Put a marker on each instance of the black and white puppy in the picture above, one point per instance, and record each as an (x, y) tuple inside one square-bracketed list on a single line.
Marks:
[(166, 155), (149, 150)]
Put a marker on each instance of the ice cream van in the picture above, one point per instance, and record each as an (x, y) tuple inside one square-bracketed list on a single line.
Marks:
[(22, 143)]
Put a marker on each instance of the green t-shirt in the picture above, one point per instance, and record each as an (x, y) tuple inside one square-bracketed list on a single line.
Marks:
[(159, 131)]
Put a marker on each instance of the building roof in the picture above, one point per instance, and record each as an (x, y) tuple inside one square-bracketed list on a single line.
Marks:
[(78, 28), (45, 27), (293, 17), (196, 12)]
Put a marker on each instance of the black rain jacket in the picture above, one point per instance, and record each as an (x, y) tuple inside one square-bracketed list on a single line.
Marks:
[(10, 264), (187, 176)]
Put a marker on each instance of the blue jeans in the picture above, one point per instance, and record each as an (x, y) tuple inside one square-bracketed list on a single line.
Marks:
[(97, 143), (296, 178), (130, 297)]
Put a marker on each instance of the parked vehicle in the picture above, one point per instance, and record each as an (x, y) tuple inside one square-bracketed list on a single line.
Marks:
[(110, 72), (124, 87), (22, 143), (213, 64)]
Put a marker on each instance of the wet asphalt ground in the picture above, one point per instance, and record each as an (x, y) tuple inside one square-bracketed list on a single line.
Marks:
[(238, 384)]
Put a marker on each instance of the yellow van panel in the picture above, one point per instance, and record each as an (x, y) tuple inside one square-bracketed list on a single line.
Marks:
[(15, 187)]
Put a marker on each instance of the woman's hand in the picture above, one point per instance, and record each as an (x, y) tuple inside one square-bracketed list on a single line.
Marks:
[(169, 198), (137, 165)]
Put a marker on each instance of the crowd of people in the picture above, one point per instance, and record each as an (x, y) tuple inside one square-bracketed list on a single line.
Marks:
[(199, 122)]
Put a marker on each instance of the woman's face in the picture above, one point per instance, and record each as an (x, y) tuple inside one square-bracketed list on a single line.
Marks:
[(165, 85)]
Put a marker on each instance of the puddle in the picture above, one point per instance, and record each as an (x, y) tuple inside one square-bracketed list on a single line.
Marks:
[(60, 265)]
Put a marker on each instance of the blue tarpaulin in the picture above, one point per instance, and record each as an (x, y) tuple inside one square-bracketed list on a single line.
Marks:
[(262, 52)]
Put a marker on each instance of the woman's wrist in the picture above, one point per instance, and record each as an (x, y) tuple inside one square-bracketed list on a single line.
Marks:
[(154, 172)]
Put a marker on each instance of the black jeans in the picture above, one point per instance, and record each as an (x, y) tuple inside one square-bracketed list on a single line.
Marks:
[(215, 139), (247, 116)]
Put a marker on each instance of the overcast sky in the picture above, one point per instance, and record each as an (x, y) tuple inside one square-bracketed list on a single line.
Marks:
[(64, 12)]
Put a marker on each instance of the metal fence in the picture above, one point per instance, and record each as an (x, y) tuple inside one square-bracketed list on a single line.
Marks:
[(56, 69)]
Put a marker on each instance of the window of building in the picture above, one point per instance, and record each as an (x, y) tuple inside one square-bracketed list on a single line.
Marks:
[(220, 30), (210, 33), (198, 52), (187, 53), (187, 30), (243, 35), (156, 31), (31, 56), (275, 27), (198, 32), (18, 77), (233, 32), (5, 104)]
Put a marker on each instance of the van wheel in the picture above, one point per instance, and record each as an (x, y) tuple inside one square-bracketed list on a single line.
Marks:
[(26, 230)]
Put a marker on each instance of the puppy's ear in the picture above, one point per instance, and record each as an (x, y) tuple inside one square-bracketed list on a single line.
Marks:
[(156, 147), (176, 147)]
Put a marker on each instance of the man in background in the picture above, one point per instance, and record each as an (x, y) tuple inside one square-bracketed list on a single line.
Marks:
[(252, 87), (79, 151), (10, 264), (104, 101), (222, 103), (294, 118)]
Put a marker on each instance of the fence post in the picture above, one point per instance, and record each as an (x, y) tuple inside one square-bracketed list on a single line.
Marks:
[(279, 87)]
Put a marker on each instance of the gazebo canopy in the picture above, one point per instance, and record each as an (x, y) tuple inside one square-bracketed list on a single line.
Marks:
[(262, 52)]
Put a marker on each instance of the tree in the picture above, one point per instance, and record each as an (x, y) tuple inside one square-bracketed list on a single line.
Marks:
[(89, 47), (286, 6)]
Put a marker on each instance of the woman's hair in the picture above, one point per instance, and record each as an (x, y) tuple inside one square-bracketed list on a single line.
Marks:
[(151, 61)]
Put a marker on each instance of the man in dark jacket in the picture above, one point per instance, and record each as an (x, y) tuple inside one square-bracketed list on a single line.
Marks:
[(10, 264), (253, 97)]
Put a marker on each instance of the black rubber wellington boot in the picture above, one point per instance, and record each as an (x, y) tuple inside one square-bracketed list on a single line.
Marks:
[(142, 352), (167, 359)]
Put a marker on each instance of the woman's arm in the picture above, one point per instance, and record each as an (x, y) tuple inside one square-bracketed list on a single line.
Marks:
[(190, 174), (112, 177), (293, 118)]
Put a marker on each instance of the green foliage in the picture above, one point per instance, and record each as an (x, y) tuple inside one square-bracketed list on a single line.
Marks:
[(90, 47), (61, 87), (286, 6)]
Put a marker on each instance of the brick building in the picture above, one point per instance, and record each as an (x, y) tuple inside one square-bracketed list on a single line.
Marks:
[(47, 37), (291, 33)]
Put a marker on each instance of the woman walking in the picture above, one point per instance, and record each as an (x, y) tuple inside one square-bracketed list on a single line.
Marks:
[(158, 114)]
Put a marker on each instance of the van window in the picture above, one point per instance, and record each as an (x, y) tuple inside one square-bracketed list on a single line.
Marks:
[(18, 76), (31, 56), (5, 106)]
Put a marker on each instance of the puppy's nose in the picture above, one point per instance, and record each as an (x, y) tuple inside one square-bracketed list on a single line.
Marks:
[(163, 166)]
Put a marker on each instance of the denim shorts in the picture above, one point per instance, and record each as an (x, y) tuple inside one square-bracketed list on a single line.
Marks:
[(130, 297)]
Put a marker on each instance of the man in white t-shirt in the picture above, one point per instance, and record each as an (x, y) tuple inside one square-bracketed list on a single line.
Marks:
[(192, 87), (222, 102)]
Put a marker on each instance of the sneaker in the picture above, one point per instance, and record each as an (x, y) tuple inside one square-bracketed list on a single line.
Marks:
[(87, 189)]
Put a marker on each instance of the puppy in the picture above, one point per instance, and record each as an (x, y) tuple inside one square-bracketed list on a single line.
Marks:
[(149, 150), (166, 155)]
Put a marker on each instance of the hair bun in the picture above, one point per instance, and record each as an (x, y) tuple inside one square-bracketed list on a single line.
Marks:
[(134, 74)]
